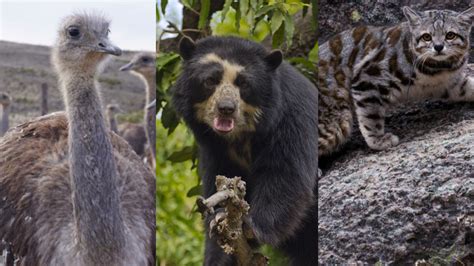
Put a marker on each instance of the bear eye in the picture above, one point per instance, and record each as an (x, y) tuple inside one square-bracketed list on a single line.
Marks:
[(211, 82), (426, 37), (73, 32), (450, 35), (241, 82)]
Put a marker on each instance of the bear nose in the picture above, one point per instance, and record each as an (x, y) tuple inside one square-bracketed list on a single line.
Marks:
[(438, 47), (226, 107)]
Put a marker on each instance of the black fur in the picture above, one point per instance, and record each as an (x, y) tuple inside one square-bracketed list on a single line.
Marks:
[(281, 180)]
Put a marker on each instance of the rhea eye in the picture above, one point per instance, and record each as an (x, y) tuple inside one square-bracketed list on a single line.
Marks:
[(146, 60), (426, 37), (450, 35), (73, 32)]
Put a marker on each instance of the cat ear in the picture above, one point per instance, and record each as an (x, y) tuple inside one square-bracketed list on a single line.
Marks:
[(412, 16), (186, 48), (274, 59), (467, 16)]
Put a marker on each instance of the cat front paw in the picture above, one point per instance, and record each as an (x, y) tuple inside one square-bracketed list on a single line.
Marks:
[(383, 142)]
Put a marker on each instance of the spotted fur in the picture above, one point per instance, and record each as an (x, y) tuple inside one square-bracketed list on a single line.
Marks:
[(366, 70)]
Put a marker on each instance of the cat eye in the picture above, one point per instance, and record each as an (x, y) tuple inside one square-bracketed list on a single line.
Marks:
[(426, 37), (73, 32), (450, 35)]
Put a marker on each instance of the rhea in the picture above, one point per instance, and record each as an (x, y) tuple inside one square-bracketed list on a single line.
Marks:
[(72, 192), (143, 66), (5, 102), (111, 114)]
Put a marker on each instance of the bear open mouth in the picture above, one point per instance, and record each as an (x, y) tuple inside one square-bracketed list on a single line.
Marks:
[(223, 124)]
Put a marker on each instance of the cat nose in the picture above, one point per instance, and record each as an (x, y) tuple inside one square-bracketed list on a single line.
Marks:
[(438, 47)]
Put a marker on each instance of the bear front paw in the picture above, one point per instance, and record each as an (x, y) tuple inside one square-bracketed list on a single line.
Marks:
[(216, 222)]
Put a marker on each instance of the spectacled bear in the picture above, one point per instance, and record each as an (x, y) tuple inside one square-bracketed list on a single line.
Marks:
[(254, 116)]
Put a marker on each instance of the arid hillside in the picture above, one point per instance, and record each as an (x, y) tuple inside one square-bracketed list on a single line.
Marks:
[(24, 67)]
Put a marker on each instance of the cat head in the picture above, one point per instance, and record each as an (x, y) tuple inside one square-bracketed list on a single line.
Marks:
[(440, 35)]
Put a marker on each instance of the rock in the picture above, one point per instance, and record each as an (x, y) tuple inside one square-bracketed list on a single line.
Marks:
[(410, 203)]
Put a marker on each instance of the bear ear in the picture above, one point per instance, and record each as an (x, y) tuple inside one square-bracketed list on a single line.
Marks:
[(186, 47), (412, 16), (274, 59), (467, 15)]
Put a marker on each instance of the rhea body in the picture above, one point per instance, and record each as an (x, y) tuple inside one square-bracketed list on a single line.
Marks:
[(71, 191), (111, 114)]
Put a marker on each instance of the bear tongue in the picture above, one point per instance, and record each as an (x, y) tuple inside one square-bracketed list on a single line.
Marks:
[(223, 124)]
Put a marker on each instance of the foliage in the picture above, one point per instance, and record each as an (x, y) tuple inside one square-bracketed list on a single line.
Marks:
[(179, 233), (180, 237), (167, 70)]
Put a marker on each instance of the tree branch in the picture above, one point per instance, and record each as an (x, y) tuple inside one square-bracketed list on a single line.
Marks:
[(227, 227)]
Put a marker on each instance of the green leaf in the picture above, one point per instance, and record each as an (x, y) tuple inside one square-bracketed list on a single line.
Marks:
[(264, 10), (195, 191), (238, 16), (310, 66), (314, 9), (183, 155), (305, 7), (253, 5), (204, 13), (278, 38), (226, 7), (164, 3), (289, 29), (262, 29), (277, 20), (164, 59), (244, 7), (313, 54), (157, 13), (169, 118)]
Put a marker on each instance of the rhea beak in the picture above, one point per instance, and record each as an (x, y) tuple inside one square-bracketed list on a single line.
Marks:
[(106, 47), (151, 105), (126, 67)]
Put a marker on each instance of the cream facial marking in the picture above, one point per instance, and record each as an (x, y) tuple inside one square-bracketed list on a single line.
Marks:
[(230, 69)]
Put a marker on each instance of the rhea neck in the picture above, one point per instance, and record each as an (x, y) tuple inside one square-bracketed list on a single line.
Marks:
[(5, 114), (150, 87), (112, 121), (93, 171)]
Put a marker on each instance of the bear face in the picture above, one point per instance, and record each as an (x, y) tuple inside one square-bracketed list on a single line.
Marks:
[(227, 89)]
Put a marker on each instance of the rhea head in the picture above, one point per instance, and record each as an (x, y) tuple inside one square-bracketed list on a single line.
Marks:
[(4, 99), (142, 63), (82, 43)]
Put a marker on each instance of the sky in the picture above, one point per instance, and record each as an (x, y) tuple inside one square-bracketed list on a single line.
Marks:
[(133, 22)]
